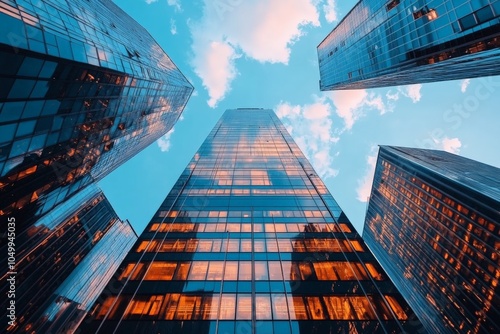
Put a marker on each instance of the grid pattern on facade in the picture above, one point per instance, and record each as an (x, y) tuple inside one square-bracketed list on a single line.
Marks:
[(386, 43), (249, 238), (65, 261), (86, 88), (437, 237)]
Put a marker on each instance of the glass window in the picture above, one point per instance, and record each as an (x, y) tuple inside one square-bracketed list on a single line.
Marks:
[(215, 270), (231, 271), (227, 307), (198, 271), (182, 271), (245, 272), (297, 308), (186, 307), (21, 89), (315, 308), (263, 307), (261, 273), (280, 309), (209, 307), (7, 132), (30, 67), (244, 307), (171, 302), (396, 308), (338, 308), (275, 271), (160, 271)]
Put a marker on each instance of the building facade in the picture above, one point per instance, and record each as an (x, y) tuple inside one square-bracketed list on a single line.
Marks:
[(83, 88), (433, 223), (249, 240), (400, 42), (63, 264)]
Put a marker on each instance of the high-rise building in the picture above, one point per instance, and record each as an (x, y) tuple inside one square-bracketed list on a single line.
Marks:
[(83, 87), (63, 263), (400, 42), (249, 240), (433, 222)]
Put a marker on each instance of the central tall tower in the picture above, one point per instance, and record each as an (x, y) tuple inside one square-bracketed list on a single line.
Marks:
[(249, 240)]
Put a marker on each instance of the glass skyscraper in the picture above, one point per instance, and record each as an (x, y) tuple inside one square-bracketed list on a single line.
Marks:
[(249, 240), (433, 222), (63, 263), (399, 42), (83, 87)]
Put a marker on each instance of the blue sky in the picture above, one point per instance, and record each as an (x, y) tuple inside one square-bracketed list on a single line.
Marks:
[(262, 53)]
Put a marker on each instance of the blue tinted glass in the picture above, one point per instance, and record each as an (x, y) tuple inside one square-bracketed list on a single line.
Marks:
[(33, 109), (37, 142), (484, 14), (7, 132), (11, 111), (21, 89), (19, 147), (40, 89), (48, 69), (25, 128), (30, 67)]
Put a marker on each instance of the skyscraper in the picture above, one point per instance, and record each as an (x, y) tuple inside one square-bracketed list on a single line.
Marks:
[(249, 240), (433, 222), (399, 42), (83, 87), (63, 263)]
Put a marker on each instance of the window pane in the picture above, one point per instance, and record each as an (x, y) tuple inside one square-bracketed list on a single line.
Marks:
[(244, 307), (231, 271), (297, 308), (215, 270), (263, 307), (245, 272), (315, 308), (161, 271), (182, 271), (280, 309), (209, 307), (198, 271), (275, 271), (261, 271), (227, 307)]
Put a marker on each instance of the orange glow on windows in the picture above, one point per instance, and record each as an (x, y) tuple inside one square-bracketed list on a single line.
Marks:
[(231, 271), (263, 307), (160, 271), (280, 308), (227, 307), (396, 308), (244, 307)]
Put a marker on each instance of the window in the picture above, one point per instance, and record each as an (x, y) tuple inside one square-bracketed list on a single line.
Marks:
[(263, 307), (160, 271), (244, 307), (280, 309), (392, 4), (227, 307)]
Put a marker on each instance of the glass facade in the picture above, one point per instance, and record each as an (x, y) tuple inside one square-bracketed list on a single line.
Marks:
[(83, 88), (397, 42), (64, 262), (434, 225), (249, 240)]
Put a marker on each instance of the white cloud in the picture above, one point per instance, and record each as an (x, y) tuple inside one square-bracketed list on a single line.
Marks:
[(330, 11), (451, 145), (216, 70), (173, 27), (164, 142), (150, 1), (464, 84), (311, 127), (365, 184), (175, 3), (352, 104), (412, 91), (263, 30)]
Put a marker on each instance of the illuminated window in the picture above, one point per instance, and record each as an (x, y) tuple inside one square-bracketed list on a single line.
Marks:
[(362, 308), (280, 309), (275, 271), (244, 307), (314, 308), (215, 270), (227, 307), (187, 306), (231, 271), (297, 308), (339, 308), (261, 271), (245, 271), (263, 307), (198, 271), (259, 246), (392, 4), (160, 271), (396, 308), (209, 307), (144, 305), (182, 271)]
